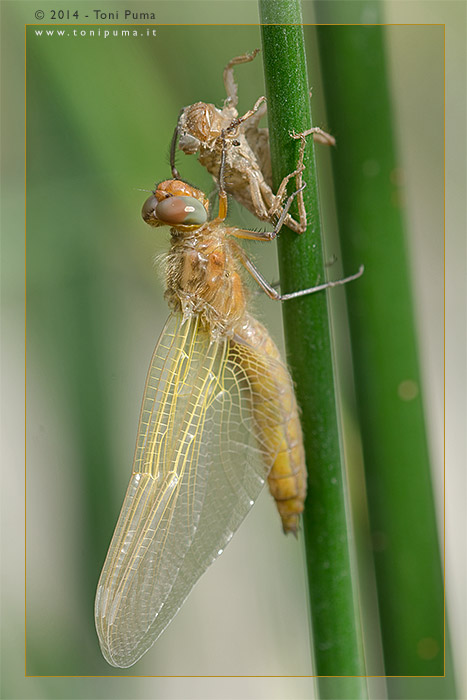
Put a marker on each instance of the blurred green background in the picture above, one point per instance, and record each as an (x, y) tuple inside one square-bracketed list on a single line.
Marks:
[(100, 115)]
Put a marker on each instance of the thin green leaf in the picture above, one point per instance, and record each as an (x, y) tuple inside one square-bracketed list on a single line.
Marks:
[(334, 611)]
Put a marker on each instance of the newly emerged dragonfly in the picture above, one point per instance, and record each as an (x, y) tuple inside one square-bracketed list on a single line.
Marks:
[(218, 419), (204, 129)]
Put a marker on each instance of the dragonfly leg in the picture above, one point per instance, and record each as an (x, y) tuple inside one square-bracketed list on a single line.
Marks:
[(222, 193), (266, 235), (275, 205), (229, 82), (318, 135), (273, 293), (320, 287), (259, 106), (256, 117), (173, 147), (274, 202)]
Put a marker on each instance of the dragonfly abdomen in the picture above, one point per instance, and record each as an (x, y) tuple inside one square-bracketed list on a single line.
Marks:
[(277, 422)]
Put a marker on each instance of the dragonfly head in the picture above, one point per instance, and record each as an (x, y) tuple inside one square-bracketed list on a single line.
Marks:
[(176, 203)]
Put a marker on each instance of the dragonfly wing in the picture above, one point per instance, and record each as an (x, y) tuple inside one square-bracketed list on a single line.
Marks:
[(198, 470)]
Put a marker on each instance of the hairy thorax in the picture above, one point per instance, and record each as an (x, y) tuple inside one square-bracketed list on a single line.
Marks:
[(202, 279)]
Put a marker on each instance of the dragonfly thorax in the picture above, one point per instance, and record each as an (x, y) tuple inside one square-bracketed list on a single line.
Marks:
[(202, 279)]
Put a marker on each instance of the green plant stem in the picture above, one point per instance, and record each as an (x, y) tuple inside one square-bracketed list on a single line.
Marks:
[(334, 611), (403, 524)]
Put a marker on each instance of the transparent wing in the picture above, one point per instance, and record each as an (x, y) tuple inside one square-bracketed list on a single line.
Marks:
[(198, 469)]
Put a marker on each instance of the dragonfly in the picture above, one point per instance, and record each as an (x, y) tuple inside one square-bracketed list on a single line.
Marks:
[(203, 128), (218, 419)]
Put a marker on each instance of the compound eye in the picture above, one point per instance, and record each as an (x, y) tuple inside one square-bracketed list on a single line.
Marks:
[(184, 211), (149, 207)]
